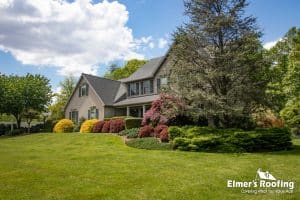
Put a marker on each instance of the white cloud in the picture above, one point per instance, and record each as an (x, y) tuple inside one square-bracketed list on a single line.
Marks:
[(271, 44), (74, 37), (162, 43), (151, 45)]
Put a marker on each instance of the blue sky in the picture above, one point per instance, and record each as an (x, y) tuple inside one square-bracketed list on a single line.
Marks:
[(151, 23)]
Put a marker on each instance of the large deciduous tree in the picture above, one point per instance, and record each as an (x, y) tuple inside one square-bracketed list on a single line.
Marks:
[(218, 65), (24, 93)]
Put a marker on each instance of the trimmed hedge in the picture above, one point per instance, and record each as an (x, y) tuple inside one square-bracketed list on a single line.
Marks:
[(106, 127), (98, 127), (273, 139), (133, 123), (116, 125), (63, 126), (88, 126)]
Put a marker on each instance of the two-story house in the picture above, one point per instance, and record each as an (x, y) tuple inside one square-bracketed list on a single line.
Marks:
[(98, 98)]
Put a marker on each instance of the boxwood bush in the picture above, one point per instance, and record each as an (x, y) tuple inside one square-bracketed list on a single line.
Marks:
[(133, 123), (130, 133)]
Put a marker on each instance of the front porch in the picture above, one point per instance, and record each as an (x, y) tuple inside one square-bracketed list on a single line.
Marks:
[(132, 110)]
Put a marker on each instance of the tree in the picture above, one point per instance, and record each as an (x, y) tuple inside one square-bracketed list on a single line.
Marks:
[(113, 67), (30, 115), (129, 68), (285, 70), (67, 87), (285, 85), (24, 93), (219, 52)]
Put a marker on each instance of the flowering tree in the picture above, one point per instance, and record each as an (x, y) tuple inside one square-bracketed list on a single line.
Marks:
[(164, 108)]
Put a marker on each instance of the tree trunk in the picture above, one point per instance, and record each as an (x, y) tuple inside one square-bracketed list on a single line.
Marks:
[(211, 121), (18, 119)]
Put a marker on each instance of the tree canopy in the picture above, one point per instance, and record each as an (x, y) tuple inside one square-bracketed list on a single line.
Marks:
[(67, 86), (220, 53), (129, 68), (21, 94)]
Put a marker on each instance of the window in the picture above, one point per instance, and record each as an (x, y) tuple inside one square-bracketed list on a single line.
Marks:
[(83, 90), (161, 82), (134, 89), (93, 113), (147, 87), (73, 115)]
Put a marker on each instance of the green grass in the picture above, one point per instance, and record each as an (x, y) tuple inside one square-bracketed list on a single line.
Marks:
[(150, 143), (99, 166)]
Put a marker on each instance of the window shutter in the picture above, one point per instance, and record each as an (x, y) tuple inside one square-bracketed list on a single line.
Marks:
[(137, 88), (128, 90), (151, 86), (79, 91), (70, 115), (89, 114), (97, 114), (158, 84)]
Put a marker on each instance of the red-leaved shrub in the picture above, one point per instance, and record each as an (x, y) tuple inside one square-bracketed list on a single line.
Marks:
[(106, 127), (98, 127), (145, 131), (164, 137), (158, 129), (117, 125)]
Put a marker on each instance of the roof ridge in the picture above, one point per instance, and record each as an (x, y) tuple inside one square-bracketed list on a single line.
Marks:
[(101, 77)]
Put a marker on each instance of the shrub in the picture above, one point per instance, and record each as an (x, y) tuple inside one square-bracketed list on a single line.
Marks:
[(15, 132), (107, 119), (130, 133), (133, 123), (146, 131), (181, 143), (235, 140), (88, 125), (175, 131), (158, 129), (98, 127), (4, 128), (116, 125), (106, 126), (164, 137), (63, 126), (148, 143)]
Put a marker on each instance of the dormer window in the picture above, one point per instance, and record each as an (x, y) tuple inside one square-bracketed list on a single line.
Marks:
[(134, 89), (84, 90), (147, 87)]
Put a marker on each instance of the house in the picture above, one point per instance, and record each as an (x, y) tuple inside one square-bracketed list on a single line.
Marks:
[(98, 98)]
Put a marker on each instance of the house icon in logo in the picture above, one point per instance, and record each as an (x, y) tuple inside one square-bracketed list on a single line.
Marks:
[(265, 175)]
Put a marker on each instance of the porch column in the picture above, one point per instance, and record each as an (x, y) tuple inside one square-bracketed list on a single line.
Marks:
[(144, 109), (128, 111)]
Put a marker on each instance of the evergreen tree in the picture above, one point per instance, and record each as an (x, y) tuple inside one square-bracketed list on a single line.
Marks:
[(218, 64)]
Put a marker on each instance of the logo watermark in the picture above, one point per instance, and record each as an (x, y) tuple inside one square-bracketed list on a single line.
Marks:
[(264, 182)]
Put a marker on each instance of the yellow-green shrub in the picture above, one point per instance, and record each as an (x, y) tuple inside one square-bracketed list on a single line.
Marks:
[(88, 125), (63, 126)]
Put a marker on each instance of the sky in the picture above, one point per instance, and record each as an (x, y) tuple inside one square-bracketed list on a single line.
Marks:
[(57, 38)]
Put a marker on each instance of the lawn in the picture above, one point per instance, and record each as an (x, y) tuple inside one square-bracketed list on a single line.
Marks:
[(98, 166)]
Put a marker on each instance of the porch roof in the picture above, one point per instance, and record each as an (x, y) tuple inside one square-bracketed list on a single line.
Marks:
[(136, 100)]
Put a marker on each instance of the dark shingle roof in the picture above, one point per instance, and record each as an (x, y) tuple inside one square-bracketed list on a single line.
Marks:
[(106, 89), (146, 71), (137, 100)]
